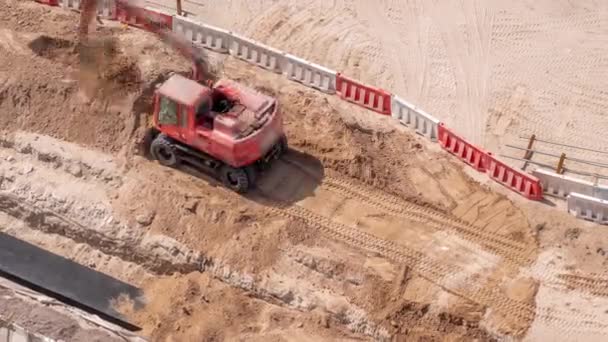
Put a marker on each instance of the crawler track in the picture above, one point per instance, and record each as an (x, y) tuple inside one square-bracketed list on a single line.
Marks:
[(595, 286), (438, 273), (513, 252), (516, 252)]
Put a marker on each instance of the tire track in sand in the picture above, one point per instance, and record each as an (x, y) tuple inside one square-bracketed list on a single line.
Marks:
[(515, 254), (437, 272), (515, 251)]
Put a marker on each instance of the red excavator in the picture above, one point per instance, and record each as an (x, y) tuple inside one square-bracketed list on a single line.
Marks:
[(223, 126)]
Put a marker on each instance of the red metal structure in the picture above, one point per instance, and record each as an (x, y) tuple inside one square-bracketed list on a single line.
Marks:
[(226, 127)]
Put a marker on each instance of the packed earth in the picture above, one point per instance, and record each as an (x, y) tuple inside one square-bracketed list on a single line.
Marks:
[(362, 231)]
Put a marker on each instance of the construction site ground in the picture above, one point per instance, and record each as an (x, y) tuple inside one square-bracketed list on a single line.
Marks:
[(363, 231)]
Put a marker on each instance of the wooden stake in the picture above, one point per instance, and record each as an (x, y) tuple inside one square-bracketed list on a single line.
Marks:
[(179, 7), (560, 164), (528, 153)]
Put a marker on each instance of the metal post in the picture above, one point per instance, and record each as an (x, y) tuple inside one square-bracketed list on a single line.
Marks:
[(560, 164), (179, 7)]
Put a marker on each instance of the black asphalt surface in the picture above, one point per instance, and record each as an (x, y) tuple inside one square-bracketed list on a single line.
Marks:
[(64, 280)]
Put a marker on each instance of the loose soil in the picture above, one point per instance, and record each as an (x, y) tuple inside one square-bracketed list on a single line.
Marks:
[(363, 231)]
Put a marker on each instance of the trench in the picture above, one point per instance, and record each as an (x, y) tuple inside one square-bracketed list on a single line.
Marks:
[(131, 250)]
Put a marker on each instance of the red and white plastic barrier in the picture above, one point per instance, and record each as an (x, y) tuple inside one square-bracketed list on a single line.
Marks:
[(415, 118), (161, 17), (560, 185), (107, 9), (372, 98), (518, 181), (458, 146), (210, 37), (588, 208), (157, 17), (257, 53), (309, 74), (49, 2)]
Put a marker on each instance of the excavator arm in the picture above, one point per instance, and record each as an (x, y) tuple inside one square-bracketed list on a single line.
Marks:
[(200, 70)]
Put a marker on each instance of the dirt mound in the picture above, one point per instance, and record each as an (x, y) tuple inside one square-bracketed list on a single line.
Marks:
[(204, 309), (312, 240), (69, 92), (106, 72)]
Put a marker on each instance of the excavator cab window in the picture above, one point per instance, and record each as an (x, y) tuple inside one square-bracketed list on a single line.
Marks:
[(167, 114)]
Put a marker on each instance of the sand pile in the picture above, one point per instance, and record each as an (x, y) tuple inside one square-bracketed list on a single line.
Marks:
[(364, 231)]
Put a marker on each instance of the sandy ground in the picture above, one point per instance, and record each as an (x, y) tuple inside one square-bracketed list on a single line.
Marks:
[(492, 70), (362, 232), (33, 312)]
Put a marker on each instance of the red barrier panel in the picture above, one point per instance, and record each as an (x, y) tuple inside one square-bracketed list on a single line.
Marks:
[(124, 17), (371, 98), (154, 16), (160, 17), (467, 152), (49, 2), (527, 185)]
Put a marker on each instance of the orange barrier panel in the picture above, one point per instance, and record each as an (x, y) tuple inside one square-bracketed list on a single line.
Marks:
[(369, 97), (519, 181), (154, 16), (467, 152), (49, 2), (160, 17)]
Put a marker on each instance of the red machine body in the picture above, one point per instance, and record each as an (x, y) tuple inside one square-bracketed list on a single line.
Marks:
[(229, 122)]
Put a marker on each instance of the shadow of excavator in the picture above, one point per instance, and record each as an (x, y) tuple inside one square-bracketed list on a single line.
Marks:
[(290, 179)]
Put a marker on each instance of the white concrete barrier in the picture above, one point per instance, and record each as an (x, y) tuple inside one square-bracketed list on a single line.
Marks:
[(601, 192), (71, 4), (310, 74), (105, 8), (414, 118), (210, 37), (588, 208), (560, 185), (257, 53)]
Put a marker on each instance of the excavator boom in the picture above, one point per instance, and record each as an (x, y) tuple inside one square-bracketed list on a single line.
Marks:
[(87, 14), (200, 70)]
